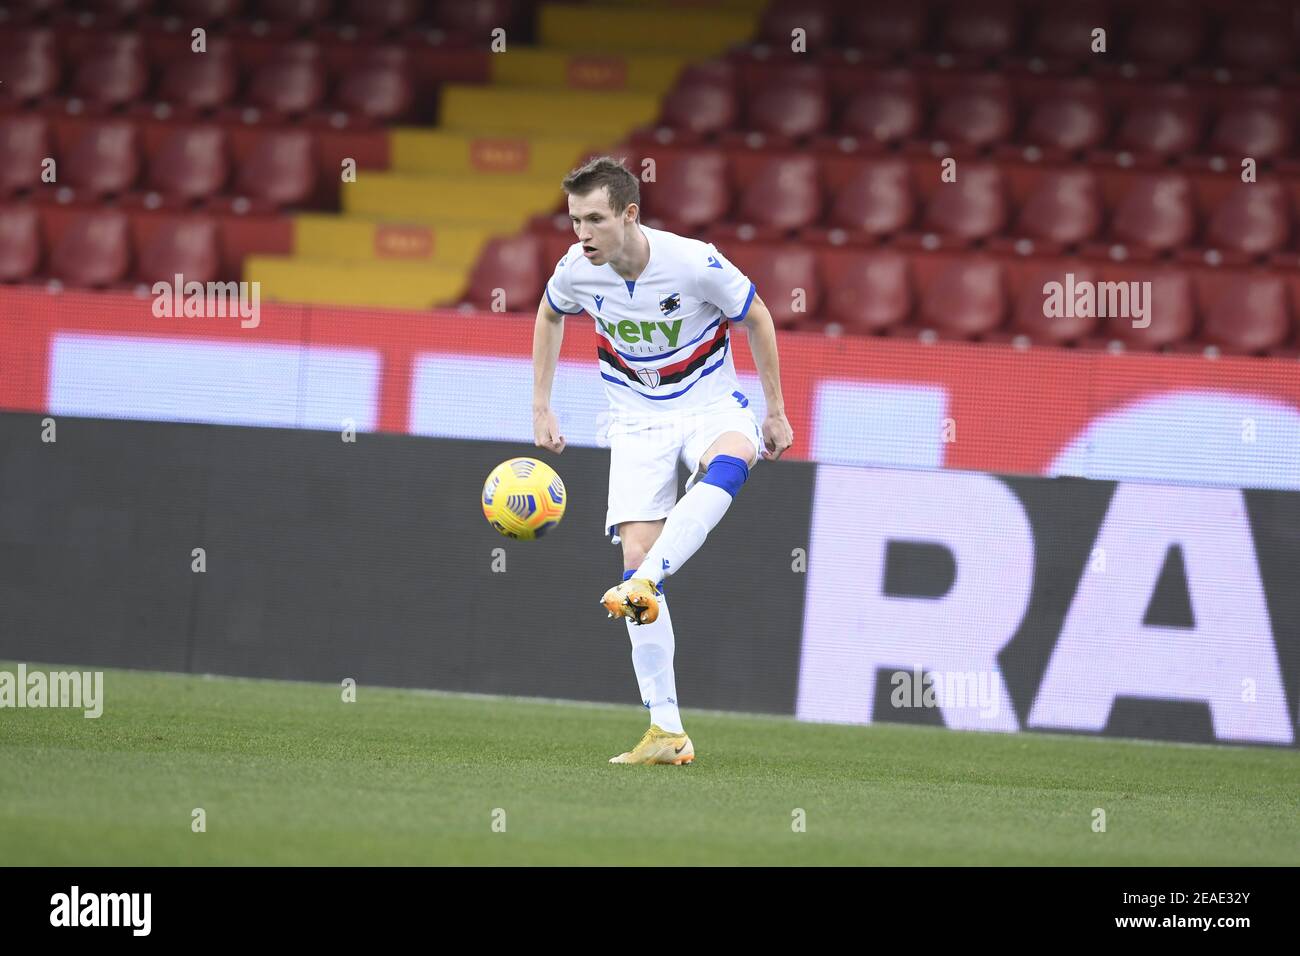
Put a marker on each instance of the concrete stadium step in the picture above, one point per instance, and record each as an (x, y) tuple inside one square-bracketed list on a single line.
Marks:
[(502, 203), (373, 240), (449, 152), (597, 117), (396, 285), (539, 68)]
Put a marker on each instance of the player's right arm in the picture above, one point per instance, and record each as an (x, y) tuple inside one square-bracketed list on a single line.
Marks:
[(548, 334)]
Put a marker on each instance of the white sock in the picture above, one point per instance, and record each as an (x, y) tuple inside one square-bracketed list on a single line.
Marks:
[(652, 659), (688, 524)]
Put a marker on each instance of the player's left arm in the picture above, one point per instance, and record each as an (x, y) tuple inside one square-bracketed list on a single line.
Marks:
[(777, 433)]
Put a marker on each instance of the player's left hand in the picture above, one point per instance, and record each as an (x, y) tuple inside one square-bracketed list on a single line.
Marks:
[(777, 435)]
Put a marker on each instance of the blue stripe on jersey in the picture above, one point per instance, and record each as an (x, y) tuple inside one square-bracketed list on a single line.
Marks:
[(556, 308), (661, 355), (745, 311), (660, 398)]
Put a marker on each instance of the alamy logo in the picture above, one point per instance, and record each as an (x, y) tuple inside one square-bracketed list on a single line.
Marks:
[(1085, 299), (958, 689), (213, 300), (102, 909), (76, 689)]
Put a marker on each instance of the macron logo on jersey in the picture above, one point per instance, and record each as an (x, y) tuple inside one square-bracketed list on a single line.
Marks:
[(714, 263), (600, 300)]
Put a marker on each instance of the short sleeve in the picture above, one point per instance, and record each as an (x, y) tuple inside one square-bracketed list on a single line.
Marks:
[(725, 286), (559, 293)]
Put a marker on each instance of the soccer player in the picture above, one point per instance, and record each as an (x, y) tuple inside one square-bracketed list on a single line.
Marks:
[(663, 306)]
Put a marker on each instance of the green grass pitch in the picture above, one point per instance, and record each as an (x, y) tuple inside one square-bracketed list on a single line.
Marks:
[(287, 773)]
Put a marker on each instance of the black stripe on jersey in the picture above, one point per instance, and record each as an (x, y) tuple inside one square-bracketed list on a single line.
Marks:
[(677, 376)]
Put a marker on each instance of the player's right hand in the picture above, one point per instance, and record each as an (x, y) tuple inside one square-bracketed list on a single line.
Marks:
[(546, 431)]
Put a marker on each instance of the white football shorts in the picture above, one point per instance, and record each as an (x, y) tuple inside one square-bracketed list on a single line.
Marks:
[(643, 459)]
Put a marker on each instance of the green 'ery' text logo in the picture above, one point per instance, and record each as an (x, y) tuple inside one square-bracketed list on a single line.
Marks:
[(629, 331)]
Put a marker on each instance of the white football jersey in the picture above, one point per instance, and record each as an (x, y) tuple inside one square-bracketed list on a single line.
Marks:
[(663, 340)]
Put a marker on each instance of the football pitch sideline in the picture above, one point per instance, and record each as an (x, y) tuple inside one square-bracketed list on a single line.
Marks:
[(203, 770)]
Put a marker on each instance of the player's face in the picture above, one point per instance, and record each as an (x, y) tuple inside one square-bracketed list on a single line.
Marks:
[(600, 231)]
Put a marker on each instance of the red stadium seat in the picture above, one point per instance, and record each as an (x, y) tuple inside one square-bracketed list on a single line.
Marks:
[(31, 62), (20, 243), (966, 299), (295, 11), (1069, 121), (877, 200), (1251, 313), (1065, 207), (785, 277), (121, 9), (700, 108), (784, 194), (1063, 31), (973, 207), (384, 14), (104, 160), (887, 111), (201, 81), (981, 27), (185, 247), (114, 73), (479, 17), (1166, 125), (979, 116), (1171, 311), (288, 86), (1254, 219), (888, 25), (378, 91), (24, 144), (1030, 316), (1261, 129), (690, 191), (208, 11), (1166, 34), (280, 169), (1258, 39), (793, 111), (1156, 213), (95, 250), (817, 20), (191, 164), (513, 265), (866, 291)]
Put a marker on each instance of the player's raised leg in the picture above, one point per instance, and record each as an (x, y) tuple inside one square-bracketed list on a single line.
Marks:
[(726, 465), (653, 647)]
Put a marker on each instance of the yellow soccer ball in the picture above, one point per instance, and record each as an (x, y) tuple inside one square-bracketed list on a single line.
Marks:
[(523, 498)]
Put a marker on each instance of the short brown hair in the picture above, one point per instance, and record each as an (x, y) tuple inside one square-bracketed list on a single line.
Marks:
[(605, 171)]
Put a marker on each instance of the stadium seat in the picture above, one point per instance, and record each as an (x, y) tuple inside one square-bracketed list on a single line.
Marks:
[(479, 16), (378, 91), (1253, 219), (24, 144), (114, 73), (973, 207), (1261, 129), (866, 291), (201, 81), (1165, 125), (510, 264), (94, 250), (288, 86), (817, 20), (785, 277), (984, 28), (966, 299), (1165, 34), (1029, 316), (1068, 121), (384, 14), (976, 117), (280, 170), (1156, 213), (1258, 39), (208, 11), (31, 62), (791, 111), (1172, 311), (191, 164), (104, 160), (185, 247), (295, 11), (690, 190), (1063, 31), (877, 200), (1064, 208), (1250, 313), (785, 194), (888, 111), (20, 242), (892, 26), (700, 108)]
